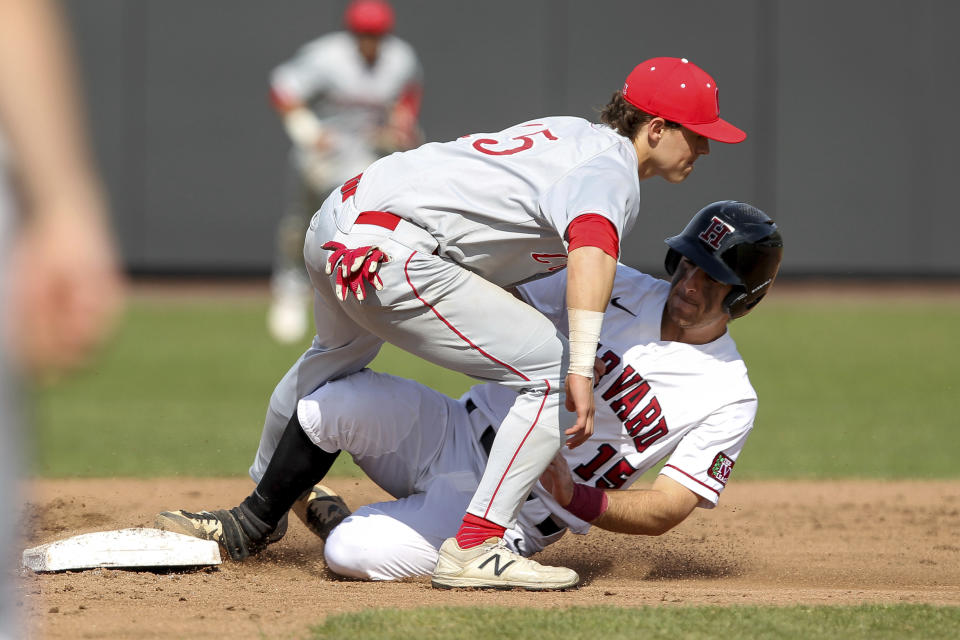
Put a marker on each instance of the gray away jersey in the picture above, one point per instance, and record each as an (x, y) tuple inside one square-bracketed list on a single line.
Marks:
[(352, 99), (499, 203)]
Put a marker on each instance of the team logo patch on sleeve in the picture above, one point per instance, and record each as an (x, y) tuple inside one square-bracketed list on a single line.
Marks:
[(721, 468)]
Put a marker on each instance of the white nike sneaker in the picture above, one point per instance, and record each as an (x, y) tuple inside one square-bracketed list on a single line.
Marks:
[(492, 565)]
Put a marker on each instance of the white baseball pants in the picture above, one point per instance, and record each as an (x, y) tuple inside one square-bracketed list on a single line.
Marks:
[(424, 449)]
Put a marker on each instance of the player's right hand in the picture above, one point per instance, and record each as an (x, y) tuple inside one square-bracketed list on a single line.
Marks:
[(557, 480), (354, 267), (579, 392)]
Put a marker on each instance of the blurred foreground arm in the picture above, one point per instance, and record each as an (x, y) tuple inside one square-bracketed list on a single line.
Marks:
[(65, 286)]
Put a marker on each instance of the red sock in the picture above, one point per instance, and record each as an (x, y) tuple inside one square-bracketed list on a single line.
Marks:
[(475, 531)]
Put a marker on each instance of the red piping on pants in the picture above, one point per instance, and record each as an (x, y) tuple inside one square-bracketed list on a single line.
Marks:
[(490, 357)]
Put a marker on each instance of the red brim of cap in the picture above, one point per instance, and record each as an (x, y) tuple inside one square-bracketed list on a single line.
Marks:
[(719, 130)]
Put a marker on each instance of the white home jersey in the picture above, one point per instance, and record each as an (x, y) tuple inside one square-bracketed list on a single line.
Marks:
[(351, 98), (657, 399), (499, 203)]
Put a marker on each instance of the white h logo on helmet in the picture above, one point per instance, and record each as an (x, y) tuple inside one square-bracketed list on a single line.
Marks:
[(714, 232)]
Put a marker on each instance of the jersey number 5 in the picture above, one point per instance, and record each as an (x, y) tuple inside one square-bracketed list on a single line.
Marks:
[(526, 142)]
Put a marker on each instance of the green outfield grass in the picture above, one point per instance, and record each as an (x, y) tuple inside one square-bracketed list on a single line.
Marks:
[(181, 390), (846, 390), (853, 389), (874, 622)]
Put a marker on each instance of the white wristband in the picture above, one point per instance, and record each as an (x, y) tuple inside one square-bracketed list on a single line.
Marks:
[(303, 127), (584, 336)]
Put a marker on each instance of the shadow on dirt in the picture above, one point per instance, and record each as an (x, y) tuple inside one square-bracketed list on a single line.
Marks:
[(603, 555), (664, 565), (685, 565)]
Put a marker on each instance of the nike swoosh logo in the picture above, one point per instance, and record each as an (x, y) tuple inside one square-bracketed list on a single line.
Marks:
[(616, 302)]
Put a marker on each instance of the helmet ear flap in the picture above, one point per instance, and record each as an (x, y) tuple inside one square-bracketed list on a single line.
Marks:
[(737, 305), (733, 302), (671, 261)]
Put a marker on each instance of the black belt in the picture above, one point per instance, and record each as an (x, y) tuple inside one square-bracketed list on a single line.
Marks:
[(548, 526)]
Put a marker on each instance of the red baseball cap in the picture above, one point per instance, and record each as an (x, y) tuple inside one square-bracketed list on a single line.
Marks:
[(374, 17), (678, 90)]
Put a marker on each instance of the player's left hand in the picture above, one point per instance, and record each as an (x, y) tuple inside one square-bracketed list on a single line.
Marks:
[(579, 391), (354, 267), (557, 480)]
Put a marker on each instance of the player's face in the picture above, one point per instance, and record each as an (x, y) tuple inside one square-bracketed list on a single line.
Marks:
[(677, 151), (695, 301), (369, 46)]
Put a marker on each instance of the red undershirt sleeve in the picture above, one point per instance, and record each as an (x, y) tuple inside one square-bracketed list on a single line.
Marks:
[(279, 100), (411, 99), (593, 230)]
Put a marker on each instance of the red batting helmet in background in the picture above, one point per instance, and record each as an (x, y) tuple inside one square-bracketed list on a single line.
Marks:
[(373, 17)]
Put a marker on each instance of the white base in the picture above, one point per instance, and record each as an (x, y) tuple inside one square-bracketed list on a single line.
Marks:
[(123, 548)]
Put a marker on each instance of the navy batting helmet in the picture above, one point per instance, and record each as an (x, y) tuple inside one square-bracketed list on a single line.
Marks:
[(735, 243)]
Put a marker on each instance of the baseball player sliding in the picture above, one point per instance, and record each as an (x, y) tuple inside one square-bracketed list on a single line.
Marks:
[(418, 250), (670, 384), (345, 99)]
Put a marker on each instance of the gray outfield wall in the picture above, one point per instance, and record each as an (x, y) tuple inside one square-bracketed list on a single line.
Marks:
[(850, 107)]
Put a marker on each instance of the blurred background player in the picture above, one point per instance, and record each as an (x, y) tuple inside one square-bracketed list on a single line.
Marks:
[(59, 284), (346, 99)]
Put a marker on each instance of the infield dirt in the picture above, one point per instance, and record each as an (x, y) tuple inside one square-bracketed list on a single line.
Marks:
[(778, 543)]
